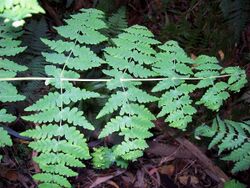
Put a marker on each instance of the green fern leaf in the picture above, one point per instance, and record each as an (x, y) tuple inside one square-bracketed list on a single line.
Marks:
[(133, 94), (136, 109), (58, 158), (237, 78), (117, 22), (6, 118), (234, 184), (214, 96), (116, 81), (58, 169), (5, 139), (207, 67), (114, 125), (221, 133), (56, 99), (112, 104), (11, 66), (48, 145), (132, 155), (231, 136), (84, 27), (62, 146), (9, 46), (17, 10), (52, 178), (172, 63), (129, 146), (241, 158), (83, 59), (134, 51), (49, 185), (55, 114), (103, 157)]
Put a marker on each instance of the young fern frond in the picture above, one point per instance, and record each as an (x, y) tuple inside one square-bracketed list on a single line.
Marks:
[(131, 56), (9, 46), (103, 157), (229, 136), (61, 146)]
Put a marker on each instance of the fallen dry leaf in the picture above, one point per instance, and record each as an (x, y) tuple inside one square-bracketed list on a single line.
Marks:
[(167, 169), (221, 54), (187, 180)]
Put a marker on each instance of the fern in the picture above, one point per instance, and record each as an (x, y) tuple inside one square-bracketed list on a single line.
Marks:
[(134, 56), (173, 63), (9, 46), (236, 15), (117, 22), (61, 145), (234, 184), (5, 139), (104, 157), (17, 10), (232, 137), (218, 91), (133, 50), (178, 70)]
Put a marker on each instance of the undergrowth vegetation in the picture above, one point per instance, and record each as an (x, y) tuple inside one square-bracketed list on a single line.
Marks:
[(139, 72)]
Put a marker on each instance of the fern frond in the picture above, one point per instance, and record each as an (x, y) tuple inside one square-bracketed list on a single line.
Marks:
[(114, 125), (117, 22), (61, 146), (231, 136), (9, 46), (72, 115), (56, 99), (5, 117), (83, 27), (112, 104), (52, 178), (58, 158), (58, 169), (131, 150), (5, 139), (17, 10), (236, 14), (136, 109), (172, 62), (215, 96), (103, 157), (208, 68), (83, 59), (11, 66), (237, 79), (58, 155), (130, 57)]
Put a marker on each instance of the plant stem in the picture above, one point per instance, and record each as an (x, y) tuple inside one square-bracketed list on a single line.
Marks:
[(107, 80)]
